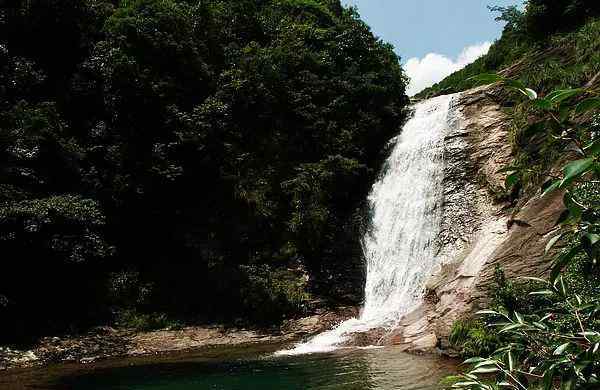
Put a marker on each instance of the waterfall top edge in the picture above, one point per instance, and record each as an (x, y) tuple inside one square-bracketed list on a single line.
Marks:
[(414, 103)]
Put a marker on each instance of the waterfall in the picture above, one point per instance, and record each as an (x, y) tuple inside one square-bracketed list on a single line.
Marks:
[(406, 212)]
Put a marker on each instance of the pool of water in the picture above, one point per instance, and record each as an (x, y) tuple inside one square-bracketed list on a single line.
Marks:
[(243, 369)]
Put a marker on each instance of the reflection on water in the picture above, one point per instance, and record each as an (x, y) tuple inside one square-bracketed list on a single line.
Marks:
[(383, 369)]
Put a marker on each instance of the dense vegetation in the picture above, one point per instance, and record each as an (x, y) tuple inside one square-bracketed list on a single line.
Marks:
[(544, 333), (203, 160)]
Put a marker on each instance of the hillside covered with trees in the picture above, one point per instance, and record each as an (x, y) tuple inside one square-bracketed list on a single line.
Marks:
[(548, 39), (185, 160)]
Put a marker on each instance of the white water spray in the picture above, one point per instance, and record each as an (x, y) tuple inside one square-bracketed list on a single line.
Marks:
[(406, 211)]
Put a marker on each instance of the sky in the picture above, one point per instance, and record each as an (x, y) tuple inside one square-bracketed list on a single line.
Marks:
[(434, 38)]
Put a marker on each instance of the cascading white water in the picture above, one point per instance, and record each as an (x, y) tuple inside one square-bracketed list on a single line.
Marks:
[(406, 210)]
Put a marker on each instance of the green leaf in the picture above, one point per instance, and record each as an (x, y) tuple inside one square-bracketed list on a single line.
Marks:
[(511, 327), (593, 149), (574, 209), (563, 287), (551, 243), (464, 384), (484, 370), (561, 349), (589, 334), (551, 188), (586, 306), (542, 292), (543, 104), (488, 312), (563, 94), (532, 279), (589, 242), (502, 350), (519, 318), (562, 261), (507, 384), (588, 105), (548, 379), (517, 84), (564, 112), (591, 238), (530, 93), (575, 170), (474, 360), (568, 384), (486, 363)]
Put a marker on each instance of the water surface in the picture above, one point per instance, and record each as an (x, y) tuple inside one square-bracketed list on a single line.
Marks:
[(383, 369)]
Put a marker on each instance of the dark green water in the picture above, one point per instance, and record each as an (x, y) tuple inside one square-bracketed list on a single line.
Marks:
[(383, 369)]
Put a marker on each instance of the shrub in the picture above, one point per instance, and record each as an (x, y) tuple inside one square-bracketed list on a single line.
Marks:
[(271, 295)]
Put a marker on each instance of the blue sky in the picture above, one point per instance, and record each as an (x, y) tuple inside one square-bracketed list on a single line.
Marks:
[(430, 35)]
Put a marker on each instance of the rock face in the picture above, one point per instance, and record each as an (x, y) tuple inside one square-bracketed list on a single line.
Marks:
[(479, 231)]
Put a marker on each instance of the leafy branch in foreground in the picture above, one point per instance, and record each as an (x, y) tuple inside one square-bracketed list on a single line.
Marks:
[(537, 350)]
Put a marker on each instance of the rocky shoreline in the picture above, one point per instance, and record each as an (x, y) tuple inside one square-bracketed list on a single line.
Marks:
[(103, 343)]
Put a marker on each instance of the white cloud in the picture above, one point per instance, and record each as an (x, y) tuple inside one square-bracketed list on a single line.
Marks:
[(432, 68)]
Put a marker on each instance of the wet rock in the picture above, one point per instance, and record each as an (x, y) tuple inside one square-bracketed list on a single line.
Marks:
[(319, 322), (366, 339)]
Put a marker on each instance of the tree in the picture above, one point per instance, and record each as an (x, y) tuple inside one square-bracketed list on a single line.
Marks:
[(196, 134)]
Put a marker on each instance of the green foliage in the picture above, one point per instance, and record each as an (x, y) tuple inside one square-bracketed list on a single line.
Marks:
[(207, 145), (131, 319), (556, 347), (127, 290), (511, 295), (270, 296), (472, 338), (37, 223), (544, 49), (546, 17), (512, 16)]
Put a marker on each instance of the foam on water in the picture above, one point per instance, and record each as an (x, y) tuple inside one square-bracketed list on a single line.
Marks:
[(406, 210)]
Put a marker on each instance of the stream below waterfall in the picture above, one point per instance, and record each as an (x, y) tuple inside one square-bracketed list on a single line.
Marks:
[(248, 368)]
